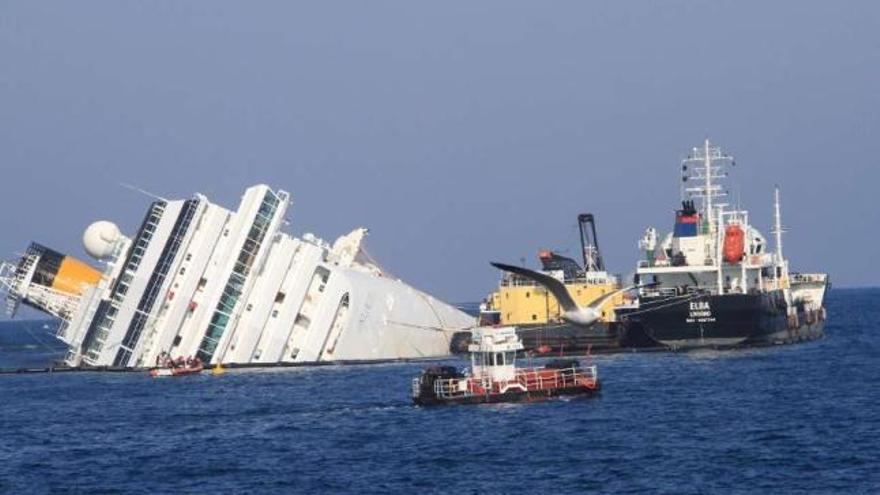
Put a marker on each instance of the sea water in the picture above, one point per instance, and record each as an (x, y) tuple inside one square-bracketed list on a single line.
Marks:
[(786, 419)]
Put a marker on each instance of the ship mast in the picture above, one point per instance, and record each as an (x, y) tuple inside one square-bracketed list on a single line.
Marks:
[(708, 165), (777, 232), (708, 172)]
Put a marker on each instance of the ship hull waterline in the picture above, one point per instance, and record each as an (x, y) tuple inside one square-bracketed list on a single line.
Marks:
[(513, 396), (670, 331)]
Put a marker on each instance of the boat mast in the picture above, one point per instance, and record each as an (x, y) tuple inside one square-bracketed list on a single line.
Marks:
[(777, 231), (707, 161)]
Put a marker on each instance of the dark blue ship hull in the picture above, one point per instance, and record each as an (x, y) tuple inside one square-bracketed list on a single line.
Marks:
[(722, 321)]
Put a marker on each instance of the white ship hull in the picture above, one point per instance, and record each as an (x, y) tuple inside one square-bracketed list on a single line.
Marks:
[(230, 287)]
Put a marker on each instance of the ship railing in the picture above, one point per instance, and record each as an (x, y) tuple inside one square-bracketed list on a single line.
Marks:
[(673, 291), (589, 279), (449, 388), (656, 263), (544, 379), (807, 278)]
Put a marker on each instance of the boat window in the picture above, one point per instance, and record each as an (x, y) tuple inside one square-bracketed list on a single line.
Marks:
[(509, 357)]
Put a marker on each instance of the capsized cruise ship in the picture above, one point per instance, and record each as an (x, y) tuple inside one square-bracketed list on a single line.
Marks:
[(227, 286)]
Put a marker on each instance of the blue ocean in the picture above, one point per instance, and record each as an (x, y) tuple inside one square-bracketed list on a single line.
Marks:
[(788, 419)]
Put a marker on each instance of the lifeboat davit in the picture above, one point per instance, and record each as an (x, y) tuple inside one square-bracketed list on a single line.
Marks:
[(734, 244)]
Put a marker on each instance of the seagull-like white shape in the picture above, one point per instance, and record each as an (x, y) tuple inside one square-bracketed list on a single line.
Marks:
[(571, 312)]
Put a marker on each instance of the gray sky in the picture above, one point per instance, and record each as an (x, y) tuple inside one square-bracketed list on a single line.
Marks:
[(458, 132)]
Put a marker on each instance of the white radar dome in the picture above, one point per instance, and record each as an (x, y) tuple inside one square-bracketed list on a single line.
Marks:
[(100, 239)]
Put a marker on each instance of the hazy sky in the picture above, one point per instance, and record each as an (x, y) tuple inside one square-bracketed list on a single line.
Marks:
[(458, 132)]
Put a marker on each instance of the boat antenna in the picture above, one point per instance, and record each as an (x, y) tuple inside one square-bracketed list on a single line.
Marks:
[(142, 191), (777, 227)]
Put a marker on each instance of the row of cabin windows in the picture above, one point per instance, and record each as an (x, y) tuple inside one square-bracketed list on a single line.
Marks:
[(499, 358)]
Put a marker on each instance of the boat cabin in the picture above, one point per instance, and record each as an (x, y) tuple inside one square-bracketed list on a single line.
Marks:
[(493, 353)]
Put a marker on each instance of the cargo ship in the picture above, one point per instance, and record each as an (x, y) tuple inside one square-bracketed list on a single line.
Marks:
[(199, 281), (714, 281), (711, 282)]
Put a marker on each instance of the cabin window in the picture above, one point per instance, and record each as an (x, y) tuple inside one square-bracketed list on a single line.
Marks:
[(527, 294), (182, 270), (189, 256), (279, 298), (534, 317)]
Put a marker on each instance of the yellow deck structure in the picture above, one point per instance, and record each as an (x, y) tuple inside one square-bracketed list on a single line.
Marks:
[(524, 303)]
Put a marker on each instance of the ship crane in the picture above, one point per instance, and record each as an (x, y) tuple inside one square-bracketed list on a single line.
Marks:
[(590, 243)]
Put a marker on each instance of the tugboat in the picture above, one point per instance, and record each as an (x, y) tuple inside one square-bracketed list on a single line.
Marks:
[(494, 377)]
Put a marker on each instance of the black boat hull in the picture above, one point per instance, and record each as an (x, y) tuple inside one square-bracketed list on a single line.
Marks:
[(509, 397), (731, 320)]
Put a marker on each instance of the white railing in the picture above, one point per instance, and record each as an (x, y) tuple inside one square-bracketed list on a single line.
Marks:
[(588, 279), (673, 291), (808, 278), (416, 387)]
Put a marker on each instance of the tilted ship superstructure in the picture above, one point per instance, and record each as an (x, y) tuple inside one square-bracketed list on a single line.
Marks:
[(227, 286), (713, 281)]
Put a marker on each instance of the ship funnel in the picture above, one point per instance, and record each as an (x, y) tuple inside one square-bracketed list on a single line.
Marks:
[(46, 280)]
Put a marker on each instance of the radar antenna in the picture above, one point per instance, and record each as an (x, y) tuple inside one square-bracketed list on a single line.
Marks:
[(703, 167)]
